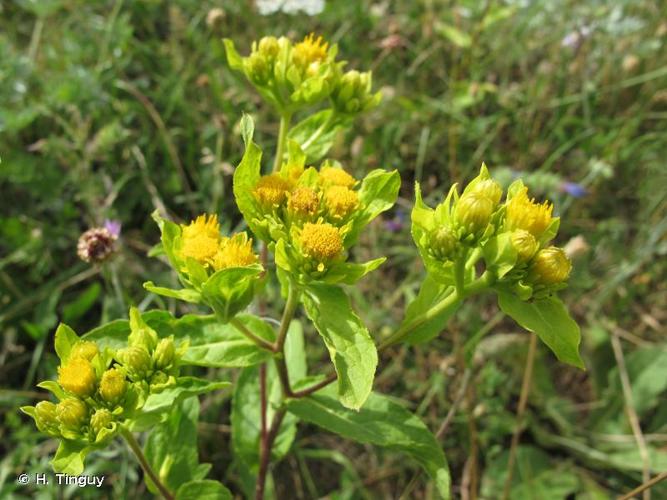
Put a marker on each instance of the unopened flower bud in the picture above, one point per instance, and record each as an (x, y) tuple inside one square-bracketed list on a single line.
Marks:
[(84, 349), (473, 212), (257, 68), (164, 353), (549, 267), (72, 413), (303, 203), (490, 189), (443, 242), (525, 245), (159, 378), (101, 419), (136, 360), (45, 415), (77, 376), (268, 46), (112, 385)]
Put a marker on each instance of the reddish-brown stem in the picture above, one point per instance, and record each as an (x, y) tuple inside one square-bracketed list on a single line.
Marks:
[(314, 388), (262, 399), (265, 453)]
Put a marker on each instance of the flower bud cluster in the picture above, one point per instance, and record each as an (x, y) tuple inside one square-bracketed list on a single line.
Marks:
[(99, 390), (512, 236), (293, 75)]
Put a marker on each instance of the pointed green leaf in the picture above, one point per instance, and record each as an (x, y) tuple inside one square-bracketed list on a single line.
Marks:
[(549, 319), (69, 457), (430, 294), (381, 422), (64, 341), (203, 489), (351, 348), (185, 294), (234, 60)]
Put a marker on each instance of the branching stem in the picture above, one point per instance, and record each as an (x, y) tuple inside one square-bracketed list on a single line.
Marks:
[(136, 449)]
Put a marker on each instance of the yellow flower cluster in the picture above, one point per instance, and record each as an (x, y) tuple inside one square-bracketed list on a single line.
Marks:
[(321, 241), (527, 214), (201, 240)]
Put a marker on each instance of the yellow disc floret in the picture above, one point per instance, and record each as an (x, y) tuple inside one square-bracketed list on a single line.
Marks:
[(271, 190), (527, 214), (112, 385), (340, 201), (201, 238), (334, 176), (310, 50), (303, 202), (235, 252), (549, 267), (321, 241), (77, 376)]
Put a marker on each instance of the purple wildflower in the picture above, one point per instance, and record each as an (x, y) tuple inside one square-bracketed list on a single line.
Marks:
[(573, 189), (113, 226)]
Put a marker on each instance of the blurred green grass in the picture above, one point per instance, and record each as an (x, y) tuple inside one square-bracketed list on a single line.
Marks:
[(111, 109)]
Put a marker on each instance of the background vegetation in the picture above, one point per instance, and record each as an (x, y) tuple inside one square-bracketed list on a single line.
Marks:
[(111, 109)]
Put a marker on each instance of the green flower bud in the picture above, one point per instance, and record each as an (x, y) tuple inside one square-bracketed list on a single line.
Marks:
[(257, 68), (473, 212), (136, 360), (45, 416), (549, 267), (78, 377), (84, 349), (488, 188), (443, 242), (112, 385), (72, 413), (268, 46), (525, 244), (101, 419), (159, 378), (164, 353)]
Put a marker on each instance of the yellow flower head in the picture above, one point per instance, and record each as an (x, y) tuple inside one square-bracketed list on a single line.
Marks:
[(72, 413), (112, 385), (77, 376), (336, 177), (271, 190), (84, 349), (235, 252), (303, 202), (527, 214), (309, 51), (321, 241), (340, 201), (550, 266), (201, 238)]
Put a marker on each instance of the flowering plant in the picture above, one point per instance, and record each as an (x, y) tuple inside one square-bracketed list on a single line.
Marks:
[(124, 377)]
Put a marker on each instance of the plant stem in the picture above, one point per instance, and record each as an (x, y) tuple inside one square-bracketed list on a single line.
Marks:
[(644, 487), (136, 448), (320, 130), (285, 119), (475, 287), (265, 453), (288, 314), (264, 344), (523, 401)]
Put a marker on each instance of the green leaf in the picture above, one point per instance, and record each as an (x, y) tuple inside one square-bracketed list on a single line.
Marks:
[(246, 176), (165, 400), (234, 60), (64, 341), (222, 345), (430, 294), (381, 422), (170, 234), (171, 447), (69, 457), (229, 291), (500, 254), (205, 489), (82, 304), (317, 133), (185, 294), (53, 387), (549, 319), (351, 348), (350, 272), (378, 193)]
